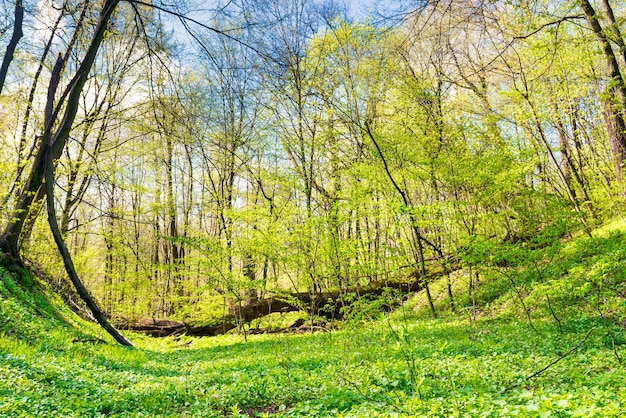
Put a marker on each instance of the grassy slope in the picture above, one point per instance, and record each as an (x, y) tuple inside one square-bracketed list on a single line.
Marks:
[(405, 365)]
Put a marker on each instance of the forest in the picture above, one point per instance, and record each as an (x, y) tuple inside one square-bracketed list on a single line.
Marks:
[(317, 208)]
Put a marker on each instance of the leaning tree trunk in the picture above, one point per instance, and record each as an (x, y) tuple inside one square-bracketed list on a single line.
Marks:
[(50, 149), (67, 258), (56, 141), (417, 234)]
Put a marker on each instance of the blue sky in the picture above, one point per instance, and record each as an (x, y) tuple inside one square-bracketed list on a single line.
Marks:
[(361, 8)]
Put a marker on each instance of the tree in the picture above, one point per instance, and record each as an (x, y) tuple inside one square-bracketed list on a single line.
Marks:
[(15, 38), (614, 96), (50, 148)]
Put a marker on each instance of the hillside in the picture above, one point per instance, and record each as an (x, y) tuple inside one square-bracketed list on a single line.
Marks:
[(547, 343)]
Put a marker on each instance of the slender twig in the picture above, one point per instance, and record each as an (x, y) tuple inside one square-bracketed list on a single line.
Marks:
[(185, 18), (562, 356)]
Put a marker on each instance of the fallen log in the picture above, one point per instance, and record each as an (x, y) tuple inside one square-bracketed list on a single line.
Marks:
[(244, 314), (326, 304), (154, 327), (330, 305)]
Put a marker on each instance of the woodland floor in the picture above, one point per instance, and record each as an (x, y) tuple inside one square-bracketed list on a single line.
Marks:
[(483, 363)]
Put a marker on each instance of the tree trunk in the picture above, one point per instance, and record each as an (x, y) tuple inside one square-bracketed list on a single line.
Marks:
[(50, 148), (616, 34), (10, 237), (22, 156), (55, 78), (614, 99), (417, 234), (67, 259), (15, 38)]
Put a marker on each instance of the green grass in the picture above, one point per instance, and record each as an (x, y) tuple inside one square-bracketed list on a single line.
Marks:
[(401, 365), (458, 370)]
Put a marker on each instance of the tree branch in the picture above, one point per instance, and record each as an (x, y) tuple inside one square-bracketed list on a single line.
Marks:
[(185, 18), (562, 356)]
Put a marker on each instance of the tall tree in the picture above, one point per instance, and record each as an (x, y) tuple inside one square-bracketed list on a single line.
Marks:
[(614, 96), (51, 146)]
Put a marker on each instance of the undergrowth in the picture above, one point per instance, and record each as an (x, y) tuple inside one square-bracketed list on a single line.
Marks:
[(541, 335)]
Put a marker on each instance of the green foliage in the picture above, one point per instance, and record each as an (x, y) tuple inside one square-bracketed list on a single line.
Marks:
[(365, 308), (376, 365), (447, 142)]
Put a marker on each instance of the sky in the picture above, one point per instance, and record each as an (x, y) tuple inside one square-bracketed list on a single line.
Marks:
[(359, 9)]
